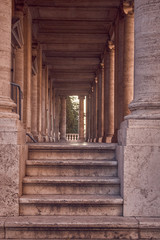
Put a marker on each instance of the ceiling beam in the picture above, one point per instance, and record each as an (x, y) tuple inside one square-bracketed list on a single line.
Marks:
[(72, 38), (76, 47), (75, 3), (71, 61)]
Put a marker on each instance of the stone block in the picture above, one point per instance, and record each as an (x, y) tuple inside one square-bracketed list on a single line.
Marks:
[(139, 163)]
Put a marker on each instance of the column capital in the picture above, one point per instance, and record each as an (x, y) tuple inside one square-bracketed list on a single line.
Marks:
[(110, 45), (128, 7), (96, 80)]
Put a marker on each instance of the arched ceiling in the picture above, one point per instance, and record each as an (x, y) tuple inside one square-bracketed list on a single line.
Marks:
[(73, 34)]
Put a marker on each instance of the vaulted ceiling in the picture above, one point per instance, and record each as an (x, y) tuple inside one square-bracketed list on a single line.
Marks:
[(73, 34)]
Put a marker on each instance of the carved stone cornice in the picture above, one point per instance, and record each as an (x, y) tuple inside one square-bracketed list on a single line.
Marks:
[(128, 7)]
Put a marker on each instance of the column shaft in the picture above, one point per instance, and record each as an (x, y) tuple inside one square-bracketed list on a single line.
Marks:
[(81, 118), (27, 68), (109, 92), (63, 119), (146, 101), (39, 120), (46, 104), (19, 63), (6, 105), (43, 115), (100, 103), (57, 111), (128, 67), (95, 109), (34, 96)]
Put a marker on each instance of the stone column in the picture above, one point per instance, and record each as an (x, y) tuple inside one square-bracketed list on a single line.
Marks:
[(53, 119), (39, 120), (12, 135), (128, 64), (95, 108), (46, 104), (19, 56), (43, 115), (100, 103), (81, 118), (63, 119), (91, 116), (88, 117), (51, 112), (34, 96), (27, 68), (118, 86), (109, 92), (57, 111), (139, 135)]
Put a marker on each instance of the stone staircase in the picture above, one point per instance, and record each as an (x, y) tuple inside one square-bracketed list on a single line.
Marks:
[(71, 180), (73, 192)]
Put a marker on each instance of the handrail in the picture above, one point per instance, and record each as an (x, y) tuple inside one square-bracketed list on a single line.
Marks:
[(32, 138), (20, 97)]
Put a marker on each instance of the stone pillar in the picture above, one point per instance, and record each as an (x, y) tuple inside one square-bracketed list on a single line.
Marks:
[(109, 92), (43, 115), (53, 119), (27, 68), (95, 108), (63, 119), (91, 116), (46, 104), (100, 103), (39, 120), (88, 117), (51, 111), (34, 97), (139, 136), (128, 64), (19, 57), (12, 135), (81, 118), (118, 86), (57, 111)]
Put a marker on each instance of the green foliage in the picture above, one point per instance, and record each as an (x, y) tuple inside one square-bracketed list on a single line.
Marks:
[(72, 115)]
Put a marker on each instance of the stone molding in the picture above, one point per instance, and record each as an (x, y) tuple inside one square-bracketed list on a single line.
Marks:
[(128, 7)]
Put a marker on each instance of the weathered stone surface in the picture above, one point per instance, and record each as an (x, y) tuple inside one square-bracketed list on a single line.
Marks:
[(139, 163), (2, 225)]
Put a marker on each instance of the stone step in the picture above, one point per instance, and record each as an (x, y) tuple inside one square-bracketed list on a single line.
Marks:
[(71, 167), (71, 185), (71, 205), (72, 151), (79, 227)]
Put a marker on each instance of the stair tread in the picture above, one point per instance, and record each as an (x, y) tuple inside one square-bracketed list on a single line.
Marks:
[(72, 221), (72, 199), (70, 146), (77, 162), (80, 180)]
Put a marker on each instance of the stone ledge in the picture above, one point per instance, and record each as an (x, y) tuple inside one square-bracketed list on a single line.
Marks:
[(74, 146), (72, 180), (102, 227), (68, 162)]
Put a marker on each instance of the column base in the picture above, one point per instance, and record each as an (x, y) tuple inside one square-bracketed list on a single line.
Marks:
[(100, 139), (138, 156)]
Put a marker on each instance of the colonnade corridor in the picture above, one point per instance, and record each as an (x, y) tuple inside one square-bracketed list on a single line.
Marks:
[(100, 181)]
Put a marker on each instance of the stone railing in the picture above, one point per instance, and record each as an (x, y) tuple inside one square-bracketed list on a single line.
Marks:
[(73, 137)]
